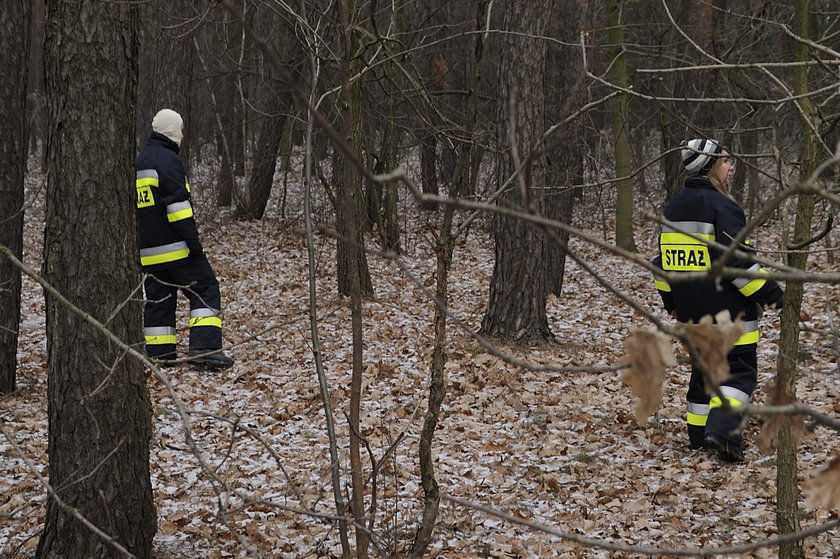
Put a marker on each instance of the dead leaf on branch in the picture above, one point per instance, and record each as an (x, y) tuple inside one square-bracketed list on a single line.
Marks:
[(648, 353), (768, 438), (713, 338), (824, 488)]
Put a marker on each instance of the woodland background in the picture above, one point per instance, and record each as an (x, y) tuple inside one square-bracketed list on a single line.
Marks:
[(432, 223)]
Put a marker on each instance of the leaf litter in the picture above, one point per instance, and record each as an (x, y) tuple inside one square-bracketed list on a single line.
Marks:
[(563, 449)]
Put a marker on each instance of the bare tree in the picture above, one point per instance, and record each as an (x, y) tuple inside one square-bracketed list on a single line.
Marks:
[(518, 289), (13, 151), (99, 410)]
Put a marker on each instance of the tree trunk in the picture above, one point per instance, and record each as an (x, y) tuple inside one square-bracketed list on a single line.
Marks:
[(518, 290), (621, 131), (787, 487), (259, 186), (17, 14), (99, 409), (565, 93)]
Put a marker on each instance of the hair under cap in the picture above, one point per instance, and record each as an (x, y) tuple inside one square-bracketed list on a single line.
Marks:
[(168, 123), (699, 156)]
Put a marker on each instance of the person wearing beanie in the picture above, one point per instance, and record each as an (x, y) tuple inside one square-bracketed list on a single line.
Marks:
[(171, 254), (704, 212)]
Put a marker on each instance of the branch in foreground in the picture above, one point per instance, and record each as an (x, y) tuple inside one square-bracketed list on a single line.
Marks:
[(650, 551)]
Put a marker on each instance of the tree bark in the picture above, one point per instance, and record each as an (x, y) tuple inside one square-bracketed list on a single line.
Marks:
[(17, 14), (787, 485), (99, 409), (621, 131), (518, 290)]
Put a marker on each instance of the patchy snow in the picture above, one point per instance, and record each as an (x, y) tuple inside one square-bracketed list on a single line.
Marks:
[(557, 448)]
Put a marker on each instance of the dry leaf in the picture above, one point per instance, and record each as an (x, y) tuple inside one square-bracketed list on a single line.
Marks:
[(768, 438), (824, 488), (713, 338), (648, 353)]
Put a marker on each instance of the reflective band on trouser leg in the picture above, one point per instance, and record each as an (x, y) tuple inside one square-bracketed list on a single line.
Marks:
[(205, 317), (733, 395), (697, 414), (160, 335), (750, 335)]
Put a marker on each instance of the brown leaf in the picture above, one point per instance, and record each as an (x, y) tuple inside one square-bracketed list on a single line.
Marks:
[(824, 488), (768, 438), (713, 338), (648, 353)]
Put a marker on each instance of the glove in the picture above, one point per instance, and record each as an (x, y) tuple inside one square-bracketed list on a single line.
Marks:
[(195, 247), (780, 302)]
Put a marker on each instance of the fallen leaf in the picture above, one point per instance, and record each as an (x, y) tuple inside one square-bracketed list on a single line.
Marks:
[(824, 488), (713, 337), (768, 437), (648, 353)]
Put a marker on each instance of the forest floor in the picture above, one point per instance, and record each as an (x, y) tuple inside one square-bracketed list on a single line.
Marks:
[(558, 449)]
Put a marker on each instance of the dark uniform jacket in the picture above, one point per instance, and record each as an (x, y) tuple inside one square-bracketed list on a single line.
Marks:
[(166, 226), (699, 213)]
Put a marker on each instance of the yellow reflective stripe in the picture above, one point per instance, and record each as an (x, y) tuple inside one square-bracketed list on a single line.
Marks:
[(715, 402), (187, 185), (662, 285), (683, 239), (696, 419), (161, 340), (147, 181), (178, 216), (165, 257), (753, 286), (748, 338), (206, 321)]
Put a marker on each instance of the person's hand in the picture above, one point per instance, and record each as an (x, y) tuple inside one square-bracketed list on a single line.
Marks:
[(780, 302)]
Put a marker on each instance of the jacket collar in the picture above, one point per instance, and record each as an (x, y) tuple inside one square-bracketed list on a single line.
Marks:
[(698, 181), (158, 138)]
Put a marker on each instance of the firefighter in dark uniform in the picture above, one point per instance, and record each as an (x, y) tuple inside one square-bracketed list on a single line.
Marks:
[(171, 254), (704, 210)]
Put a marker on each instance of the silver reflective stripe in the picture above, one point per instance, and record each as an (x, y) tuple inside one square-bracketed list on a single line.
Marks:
[(203, 313), (750, 326), (741, 282), (178, 206), (735, 394), (698, 409), (147, 174), (699, 227), (163, 249), (159, 331)]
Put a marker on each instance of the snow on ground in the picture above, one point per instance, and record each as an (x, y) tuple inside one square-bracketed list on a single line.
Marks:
[(556, 448)]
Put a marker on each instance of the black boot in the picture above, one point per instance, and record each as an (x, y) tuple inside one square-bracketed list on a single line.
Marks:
[(211, 359), (727, 450)]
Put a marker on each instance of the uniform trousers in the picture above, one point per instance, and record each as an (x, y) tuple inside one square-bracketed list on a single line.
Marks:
[(195, 278)]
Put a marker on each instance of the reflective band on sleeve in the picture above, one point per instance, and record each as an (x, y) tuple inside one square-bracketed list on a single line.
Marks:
[(147, 177), (160, 335), (749, 286), (662, 285), (179, 211), (164, 253), (187, 183)]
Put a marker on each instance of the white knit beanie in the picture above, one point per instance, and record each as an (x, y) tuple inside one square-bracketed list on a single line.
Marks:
[(168, 123), (699, 155)]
